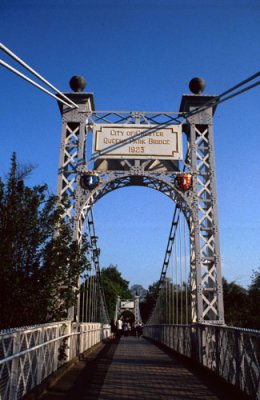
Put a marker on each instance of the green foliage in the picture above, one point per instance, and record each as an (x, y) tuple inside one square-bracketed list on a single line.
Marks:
[(255, 281), (235, 304), (114, 285), (254, 299), (147, 306), (39, 268), (242, 305), (35, 262), (181, 308)]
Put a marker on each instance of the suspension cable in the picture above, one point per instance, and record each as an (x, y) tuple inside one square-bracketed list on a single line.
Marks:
[(250, 78), (239, 92), (181, 260), (185, 273), (181, 305), (82, 317), (172, 306), (170, 297), (7, 66), (218, 99), (88, 298), (93, 295), (95, 284), (172, 275), (212, 103), (176, 282), (26, 66)]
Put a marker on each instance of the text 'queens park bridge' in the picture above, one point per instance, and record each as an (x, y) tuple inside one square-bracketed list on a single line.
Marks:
[(171, 152)]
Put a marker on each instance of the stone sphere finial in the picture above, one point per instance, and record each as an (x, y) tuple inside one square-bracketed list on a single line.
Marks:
[(197, 85), (78, 83)]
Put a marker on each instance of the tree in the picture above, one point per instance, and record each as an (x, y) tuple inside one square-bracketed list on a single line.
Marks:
[(254, 300), (179, 309), (35, 263), (147, 306), (113, 285), (235, 304)]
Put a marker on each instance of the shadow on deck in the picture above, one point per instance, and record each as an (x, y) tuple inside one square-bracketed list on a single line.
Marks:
[(135, 369)]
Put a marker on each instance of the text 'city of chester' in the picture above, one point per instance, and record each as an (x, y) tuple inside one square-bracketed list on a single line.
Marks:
[(137, 141)]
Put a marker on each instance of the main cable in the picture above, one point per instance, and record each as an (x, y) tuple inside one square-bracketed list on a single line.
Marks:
[(15, 71), (219, 98), (26, 66)]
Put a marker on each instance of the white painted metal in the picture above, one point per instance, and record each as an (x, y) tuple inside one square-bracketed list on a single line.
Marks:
[(128, 305), (29, 355), (198, 204), (232, 353)]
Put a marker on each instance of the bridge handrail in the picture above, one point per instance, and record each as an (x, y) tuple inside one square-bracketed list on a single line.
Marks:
[(9, 331), (3, 360), (230, 352), (22, 353), (22, 369), (234, 328)]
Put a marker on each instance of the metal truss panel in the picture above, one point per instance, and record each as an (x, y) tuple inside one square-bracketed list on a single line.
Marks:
[(198, 204), (206, 287)]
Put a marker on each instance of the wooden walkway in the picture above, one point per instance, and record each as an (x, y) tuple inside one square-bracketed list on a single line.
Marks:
[(132, 369)]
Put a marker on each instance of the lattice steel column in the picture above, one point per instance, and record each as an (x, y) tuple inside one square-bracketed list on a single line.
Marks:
[(72, 162), (137, 308), (206, 280), (117, 310), (72, 154)]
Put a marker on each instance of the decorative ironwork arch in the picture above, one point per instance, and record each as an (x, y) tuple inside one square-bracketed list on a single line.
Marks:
[(198, 204), (183, 200)]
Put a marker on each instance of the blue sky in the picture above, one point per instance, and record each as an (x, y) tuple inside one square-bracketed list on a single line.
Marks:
[(141, 55)]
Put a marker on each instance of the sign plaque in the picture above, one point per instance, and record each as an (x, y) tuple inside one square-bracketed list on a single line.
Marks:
[(137, 141), (127, 304)]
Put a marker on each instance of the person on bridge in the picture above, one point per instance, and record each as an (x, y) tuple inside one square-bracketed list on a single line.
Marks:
[(139, 328), (113, 329), (119, 327), (125, 328)]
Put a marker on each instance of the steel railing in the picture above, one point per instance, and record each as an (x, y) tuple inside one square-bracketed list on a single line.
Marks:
[(232, 353), (29, 355)]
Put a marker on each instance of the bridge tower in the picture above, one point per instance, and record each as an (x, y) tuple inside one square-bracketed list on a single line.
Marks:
[(161, 166), (128, 305), (206, 279)]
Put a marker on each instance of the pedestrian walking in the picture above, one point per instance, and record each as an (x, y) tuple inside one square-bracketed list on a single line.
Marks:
[(139, 328), (125, 328), (119, 327), (113, 329)]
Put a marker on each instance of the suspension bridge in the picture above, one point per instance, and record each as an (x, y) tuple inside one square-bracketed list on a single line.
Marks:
[(173, 153)]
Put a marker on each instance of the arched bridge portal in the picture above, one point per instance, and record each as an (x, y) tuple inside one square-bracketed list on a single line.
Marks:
[(131, 305), (171, 152)]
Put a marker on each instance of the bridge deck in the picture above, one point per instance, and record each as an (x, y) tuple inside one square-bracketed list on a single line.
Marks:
[(131, 369)]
